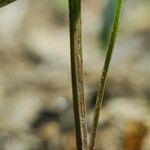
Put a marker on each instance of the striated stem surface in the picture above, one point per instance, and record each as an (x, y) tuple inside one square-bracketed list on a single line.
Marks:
[(77, 74)]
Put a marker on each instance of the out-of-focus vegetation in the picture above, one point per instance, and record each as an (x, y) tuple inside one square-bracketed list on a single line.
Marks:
[(5, 2), (108, 16)]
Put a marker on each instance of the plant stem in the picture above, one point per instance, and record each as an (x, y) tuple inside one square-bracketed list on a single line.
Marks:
[(99, 100), (5, 2), (77, 74)]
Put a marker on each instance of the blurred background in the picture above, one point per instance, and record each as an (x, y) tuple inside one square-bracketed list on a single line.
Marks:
[(35, 85)]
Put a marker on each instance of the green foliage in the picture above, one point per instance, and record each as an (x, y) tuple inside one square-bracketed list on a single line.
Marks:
[(61, 5), (99, 100), (5, 2), (77, 73), (108, 16), (77, 69)]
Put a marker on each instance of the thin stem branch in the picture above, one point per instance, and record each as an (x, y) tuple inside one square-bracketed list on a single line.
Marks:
[(5, 2), (99, 100), (77, 74)]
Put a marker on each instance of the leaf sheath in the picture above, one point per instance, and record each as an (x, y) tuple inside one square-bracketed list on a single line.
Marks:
[(77, 74)]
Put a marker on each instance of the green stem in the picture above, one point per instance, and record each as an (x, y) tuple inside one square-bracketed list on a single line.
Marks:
[(5, 2), (99, 100), (77, 74)]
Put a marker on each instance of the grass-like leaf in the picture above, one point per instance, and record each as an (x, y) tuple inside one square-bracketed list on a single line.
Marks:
[(99, 100)]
